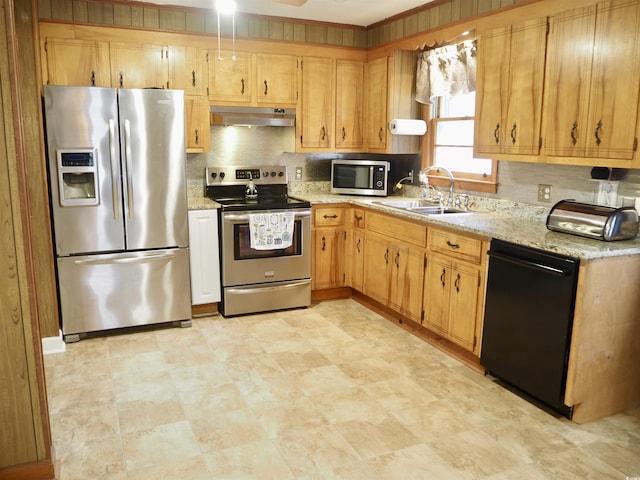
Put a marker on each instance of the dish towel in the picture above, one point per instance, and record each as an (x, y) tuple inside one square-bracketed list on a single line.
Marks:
[(271, 231)]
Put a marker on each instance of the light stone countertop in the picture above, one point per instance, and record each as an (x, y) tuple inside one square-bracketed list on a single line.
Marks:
[(518, 223)]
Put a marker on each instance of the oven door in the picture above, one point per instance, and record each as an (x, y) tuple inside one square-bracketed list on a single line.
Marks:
[(243, 265)]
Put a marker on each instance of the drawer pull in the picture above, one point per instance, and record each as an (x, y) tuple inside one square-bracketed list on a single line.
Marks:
[(598, 128), (330, 216), (452, 245), (386, 256), (358, 246), (573, 133), (442, 277), (495, 133), (457, 283), (324, 244)]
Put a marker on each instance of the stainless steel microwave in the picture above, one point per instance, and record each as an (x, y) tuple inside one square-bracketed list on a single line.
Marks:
[(360, 177)]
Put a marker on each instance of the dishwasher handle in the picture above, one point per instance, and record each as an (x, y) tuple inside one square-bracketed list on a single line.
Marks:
[(532, 265)]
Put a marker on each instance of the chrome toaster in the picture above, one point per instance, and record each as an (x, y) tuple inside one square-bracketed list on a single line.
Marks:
[(593, 221)]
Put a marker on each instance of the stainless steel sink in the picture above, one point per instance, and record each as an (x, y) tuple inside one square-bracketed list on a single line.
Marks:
[(422, 207)]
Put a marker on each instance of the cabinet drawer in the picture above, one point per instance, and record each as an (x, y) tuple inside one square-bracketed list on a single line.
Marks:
[(329, 216), (394, 227), (455, 245)]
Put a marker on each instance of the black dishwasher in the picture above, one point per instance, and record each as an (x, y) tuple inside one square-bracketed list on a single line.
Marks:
[(528, 320)]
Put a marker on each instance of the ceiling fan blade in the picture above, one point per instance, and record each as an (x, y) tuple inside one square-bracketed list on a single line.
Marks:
[(296, 3)]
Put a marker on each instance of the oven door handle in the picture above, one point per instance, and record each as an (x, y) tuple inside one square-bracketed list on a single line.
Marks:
[(244, 217), (267, 288)]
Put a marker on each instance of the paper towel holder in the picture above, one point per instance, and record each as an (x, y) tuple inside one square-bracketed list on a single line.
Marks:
[(402, 126)]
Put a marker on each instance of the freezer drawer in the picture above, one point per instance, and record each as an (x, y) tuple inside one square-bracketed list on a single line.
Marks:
[(107, 291)]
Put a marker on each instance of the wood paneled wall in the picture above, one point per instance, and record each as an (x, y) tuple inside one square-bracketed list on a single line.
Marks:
[(130, 14)]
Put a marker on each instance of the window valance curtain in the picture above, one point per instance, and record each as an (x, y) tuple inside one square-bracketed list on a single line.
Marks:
[(446, 71)]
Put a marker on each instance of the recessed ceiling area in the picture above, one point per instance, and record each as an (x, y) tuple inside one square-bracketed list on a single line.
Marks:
[(348, 12)]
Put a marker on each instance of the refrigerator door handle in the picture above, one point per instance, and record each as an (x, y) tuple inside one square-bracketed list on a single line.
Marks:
[(132, 259), (114, 168), (129, 168)]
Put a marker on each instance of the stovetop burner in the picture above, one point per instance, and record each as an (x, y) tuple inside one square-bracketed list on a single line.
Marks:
[(228, 187)]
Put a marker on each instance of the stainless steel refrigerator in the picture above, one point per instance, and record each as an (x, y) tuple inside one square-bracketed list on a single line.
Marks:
[(116, 162)]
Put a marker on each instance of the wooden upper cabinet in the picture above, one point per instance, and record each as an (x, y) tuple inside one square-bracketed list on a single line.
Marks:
[(317, 103), (277, 79), (376, 104), (138, 66), (197, 130), (229, 80), (349, 131), (591, 86), (187, 69), (510, 79), (76, 62)]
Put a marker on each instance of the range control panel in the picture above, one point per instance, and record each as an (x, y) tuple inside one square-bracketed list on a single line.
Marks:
[(233, 175)]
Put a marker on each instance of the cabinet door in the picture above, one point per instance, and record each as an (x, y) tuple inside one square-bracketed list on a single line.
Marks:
[(328, 269), (77, 62), (407, 277), (186, 69), (317, 103), (377, 265), (376, 104), (568, 78), (197, 130), (613, 100), (349, 131), (436, 295), (463, 304), (510, 84), (521, 132), (138, 66), (203, 256), (356, 253), (277, 77), (492, 90), (230, 81)]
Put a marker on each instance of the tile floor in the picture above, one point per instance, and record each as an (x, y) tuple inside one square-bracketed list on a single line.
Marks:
[(333, 391)]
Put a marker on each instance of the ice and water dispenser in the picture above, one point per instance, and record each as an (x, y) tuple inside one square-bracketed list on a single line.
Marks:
[(78, 177)]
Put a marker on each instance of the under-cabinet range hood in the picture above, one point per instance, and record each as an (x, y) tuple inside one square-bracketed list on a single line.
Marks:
[(253, 116)]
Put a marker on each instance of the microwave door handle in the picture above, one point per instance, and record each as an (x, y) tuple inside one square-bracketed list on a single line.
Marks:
[(371, 172)]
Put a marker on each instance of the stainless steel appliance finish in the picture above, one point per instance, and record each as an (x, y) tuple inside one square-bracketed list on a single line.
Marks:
[(267, 279), (593, 221), (360, 177), (116, 162), (253, 116)]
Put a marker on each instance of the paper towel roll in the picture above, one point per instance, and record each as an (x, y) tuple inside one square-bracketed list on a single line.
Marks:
[(405, 126)]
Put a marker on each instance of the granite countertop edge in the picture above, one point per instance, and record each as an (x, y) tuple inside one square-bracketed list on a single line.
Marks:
[(527, 229)]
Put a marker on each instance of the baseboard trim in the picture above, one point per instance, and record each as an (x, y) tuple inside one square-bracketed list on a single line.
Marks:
[(52, 345), (29, 471)]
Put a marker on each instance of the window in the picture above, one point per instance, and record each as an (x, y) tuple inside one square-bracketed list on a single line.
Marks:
[(452, 145)]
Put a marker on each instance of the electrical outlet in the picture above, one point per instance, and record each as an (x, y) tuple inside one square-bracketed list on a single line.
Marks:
[(298, 173), (544, 193), (410, 175)]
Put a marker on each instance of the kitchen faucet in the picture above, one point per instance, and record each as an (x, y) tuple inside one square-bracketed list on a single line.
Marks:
[(424, 180)]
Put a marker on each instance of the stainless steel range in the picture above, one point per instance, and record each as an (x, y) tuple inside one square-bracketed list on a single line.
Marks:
[(265, 240)]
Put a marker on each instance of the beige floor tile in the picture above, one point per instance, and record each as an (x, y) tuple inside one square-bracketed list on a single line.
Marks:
[(96, 459), (333, 391), (227, 430), (346, 404), (309, 451), (373, 438), (84, 423), (145, 414), (476, 453), (256, 460), (157, 446), (416, 462), (193, 468), (297, 413)]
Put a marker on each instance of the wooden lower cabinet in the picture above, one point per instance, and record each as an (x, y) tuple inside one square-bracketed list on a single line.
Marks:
[(394, 274), (329, 247), (454, 287), (356, 255), (451, 295)]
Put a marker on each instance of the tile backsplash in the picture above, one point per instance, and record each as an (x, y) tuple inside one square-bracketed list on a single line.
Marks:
[(518, 181)]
